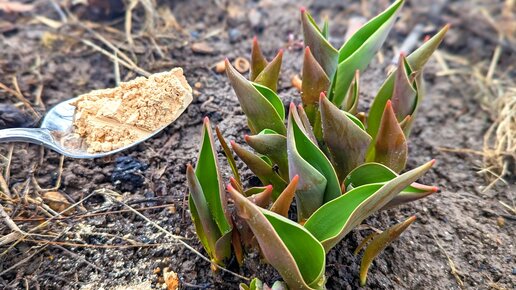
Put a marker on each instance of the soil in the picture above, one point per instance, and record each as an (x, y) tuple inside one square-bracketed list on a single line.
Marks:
[(461, 217)]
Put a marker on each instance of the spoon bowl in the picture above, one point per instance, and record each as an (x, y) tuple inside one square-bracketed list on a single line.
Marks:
[(55, 132)]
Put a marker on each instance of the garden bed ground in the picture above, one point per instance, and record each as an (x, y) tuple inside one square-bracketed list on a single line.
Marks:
[(459, 224)]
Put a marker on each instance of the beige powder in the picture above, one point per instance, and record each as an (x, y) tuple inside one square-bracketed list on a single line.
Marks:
[(109, 119)]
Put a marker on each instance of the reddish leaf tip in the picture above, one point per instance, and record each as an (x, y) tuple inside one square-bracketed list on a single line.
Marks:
[(292, 106), (269, 187), (232, 179), (322, 96), (232, 142), (206, 120), (435, 189), (255, 39), (295, 178), (432, 162), (307, 50), (388, 105), (303, 9), (229, 187)]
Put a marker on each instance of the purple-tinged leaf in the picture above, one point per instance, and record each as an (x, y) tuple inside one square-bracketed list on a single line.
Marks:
[(350, 104), (272, 145), (390, 146), (369, 173), (318, 182), (404, 94), (358, 51), (229, 156), (335, 219), (262, 198), (325, 54), (379, 243), (416, 60), (284, 200), (287, 246), (207, 182), (315, 81), (261, 169), (347, 142), (270, 74), (262, 106), (258, 61)]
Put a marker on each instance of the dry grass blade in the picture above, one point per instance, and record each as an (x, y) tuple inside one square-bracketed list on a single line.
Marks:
[(453, 268)]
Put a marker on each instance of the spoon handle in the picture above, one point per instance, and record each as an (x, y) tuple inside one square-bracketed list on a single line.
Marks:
[(31, 135)]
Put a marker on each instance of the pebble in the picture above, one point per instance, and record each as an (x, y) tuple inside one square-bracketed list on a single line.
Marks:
[(220, 67), (234, 35), (202, 48)]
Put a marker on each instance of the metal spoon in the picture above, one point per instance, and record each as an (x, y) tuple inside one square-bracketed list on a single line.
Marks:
[(54, 133)]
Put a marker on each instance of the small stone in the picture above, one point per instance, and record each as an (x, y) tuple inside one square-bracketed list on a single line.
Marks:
[(220, 67), (157, 270), (198, 85), (500, 221), (296, 82), (234, 35), (256, 19), (202, 48)]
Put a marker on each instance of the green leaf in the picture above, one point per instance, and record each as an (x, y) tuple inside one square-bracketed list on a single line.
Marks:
[(358, 51), (273, 98), (369, 173), (318, 182), (325, 54), (208, 203), (390, 146), (379, 243), (335, 219), (315, 81), (261, 169), (205, 226), (416, 60), (269, 76), (346, 141), (272, 145), (258, 61), (287, 246), (261, 110)]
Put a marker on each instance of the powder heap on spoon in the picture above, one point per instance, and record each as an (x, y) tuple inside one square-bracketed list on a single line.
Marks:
[(109, 119)]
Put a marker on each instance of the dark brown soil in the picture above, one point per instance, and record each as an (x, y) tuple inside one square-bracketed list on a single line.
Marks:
[(461, 217)]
